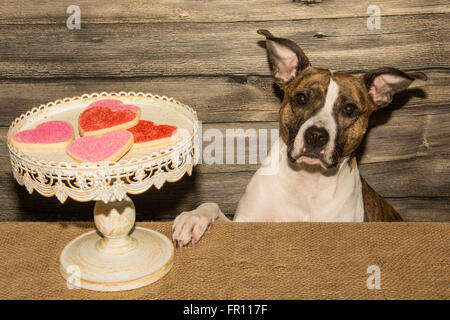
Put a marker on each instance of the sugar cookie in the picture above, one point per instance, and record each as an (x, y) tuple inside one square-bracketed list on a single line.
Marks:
[(99, 120), (108, 147), (147, 134), (50, 135)]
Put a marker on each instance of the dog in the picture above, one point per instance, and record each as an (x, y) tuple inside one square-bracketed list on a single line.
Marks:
[(324, 116)]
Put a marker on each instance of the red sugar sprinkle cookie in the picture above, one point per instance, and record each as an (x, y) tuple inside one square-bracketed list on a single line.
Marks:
[(50, 135), (108, 147), (98, 120), (147, 134)]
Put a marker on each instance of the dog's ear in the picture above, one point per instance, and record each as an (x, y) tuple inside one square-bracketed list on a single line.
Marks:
[(383, 83), (286, 57)]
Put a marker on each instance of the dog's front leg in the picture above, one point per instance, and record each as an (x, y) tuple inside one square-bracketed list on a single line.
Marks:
[(189, 226)]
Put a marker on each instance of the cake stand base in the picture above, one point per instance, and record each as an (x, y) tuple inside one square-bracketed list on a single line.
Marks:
[(114, 260)]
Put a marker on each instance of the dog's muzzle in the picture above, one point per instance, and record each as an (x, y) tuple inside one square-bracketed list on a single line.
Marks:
[(313, 149)]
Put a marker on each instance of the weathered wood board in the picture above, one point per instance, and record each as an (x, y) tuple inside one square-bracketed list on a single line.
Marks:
[(150, 11), (174, 49), (209, 56), (216, 99)]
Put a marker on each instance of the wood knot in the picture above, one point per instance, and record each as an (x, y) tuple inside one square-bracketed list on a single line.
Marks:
[(96, 39), (320, 35), (308, 2)]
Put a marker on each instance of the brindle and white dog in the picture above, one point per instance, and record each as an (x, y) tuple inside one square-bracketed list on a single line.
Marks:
[(323, 118)]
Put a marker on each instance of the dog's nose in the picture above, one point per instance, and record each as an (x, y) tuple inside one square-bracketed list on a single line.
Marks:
[(316, 137)]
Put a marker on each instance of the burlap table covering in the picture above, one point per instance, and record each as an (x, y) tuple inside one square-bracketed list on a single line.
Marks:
[(250, 261)]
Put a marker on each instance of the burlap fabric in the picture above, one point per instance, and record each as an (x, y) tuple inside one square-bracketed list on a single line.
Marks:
[(251, 261)]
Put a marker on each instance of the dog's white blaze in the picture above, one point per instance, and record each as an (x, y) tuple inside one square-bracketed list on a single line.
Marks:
[(332, 94), (324, 119)]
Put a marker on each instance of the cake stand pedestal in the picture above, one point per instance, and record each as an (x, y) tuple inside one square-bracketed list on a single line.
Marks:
[(117, 259), (117, 256)]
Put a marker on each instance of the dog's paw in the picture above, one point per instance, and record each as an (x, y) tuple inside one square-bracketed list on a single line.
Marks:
[(189, 227)]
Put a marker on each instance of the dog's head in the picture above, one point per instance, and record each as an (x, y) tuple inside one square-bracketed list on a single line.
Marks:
[(325, 114)]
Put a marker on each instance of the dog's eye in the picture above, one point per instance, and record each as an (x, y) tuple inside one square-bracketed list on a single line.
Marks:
[(349, 109), (300, 98)]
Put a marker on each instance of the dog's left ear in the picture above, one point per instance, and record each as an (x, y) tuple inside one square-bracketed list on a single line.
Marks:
[(286, 57), (383, 83)]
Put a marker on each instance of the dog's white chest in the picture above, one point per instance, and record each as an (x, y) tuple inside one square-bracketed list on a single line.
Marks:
[(285, 194)]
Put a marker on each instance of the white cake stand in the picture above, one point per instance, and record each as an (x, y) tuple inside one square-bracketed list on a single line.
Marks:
[(116, 256)]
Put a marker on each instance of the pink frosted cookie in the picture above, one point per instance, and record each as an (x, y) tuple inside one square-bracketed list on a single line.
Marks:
[(107, 115), (46, 136), (108, 147), (147, 134)]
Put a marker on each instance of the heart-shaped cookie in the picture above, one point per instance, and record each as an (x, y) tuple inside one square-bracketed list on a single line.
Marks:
[(98, 120), (147, 134), (115, 105), (108, 147), (46, 136)]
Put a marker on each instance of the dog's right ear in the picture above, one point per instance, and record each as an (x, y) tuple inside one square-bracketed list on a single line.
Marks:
[(286, 57), (383, 83)]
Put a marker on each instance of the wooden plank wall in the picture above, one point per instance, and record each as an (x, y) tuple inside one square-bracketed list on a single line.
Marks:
[(208, 55)]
